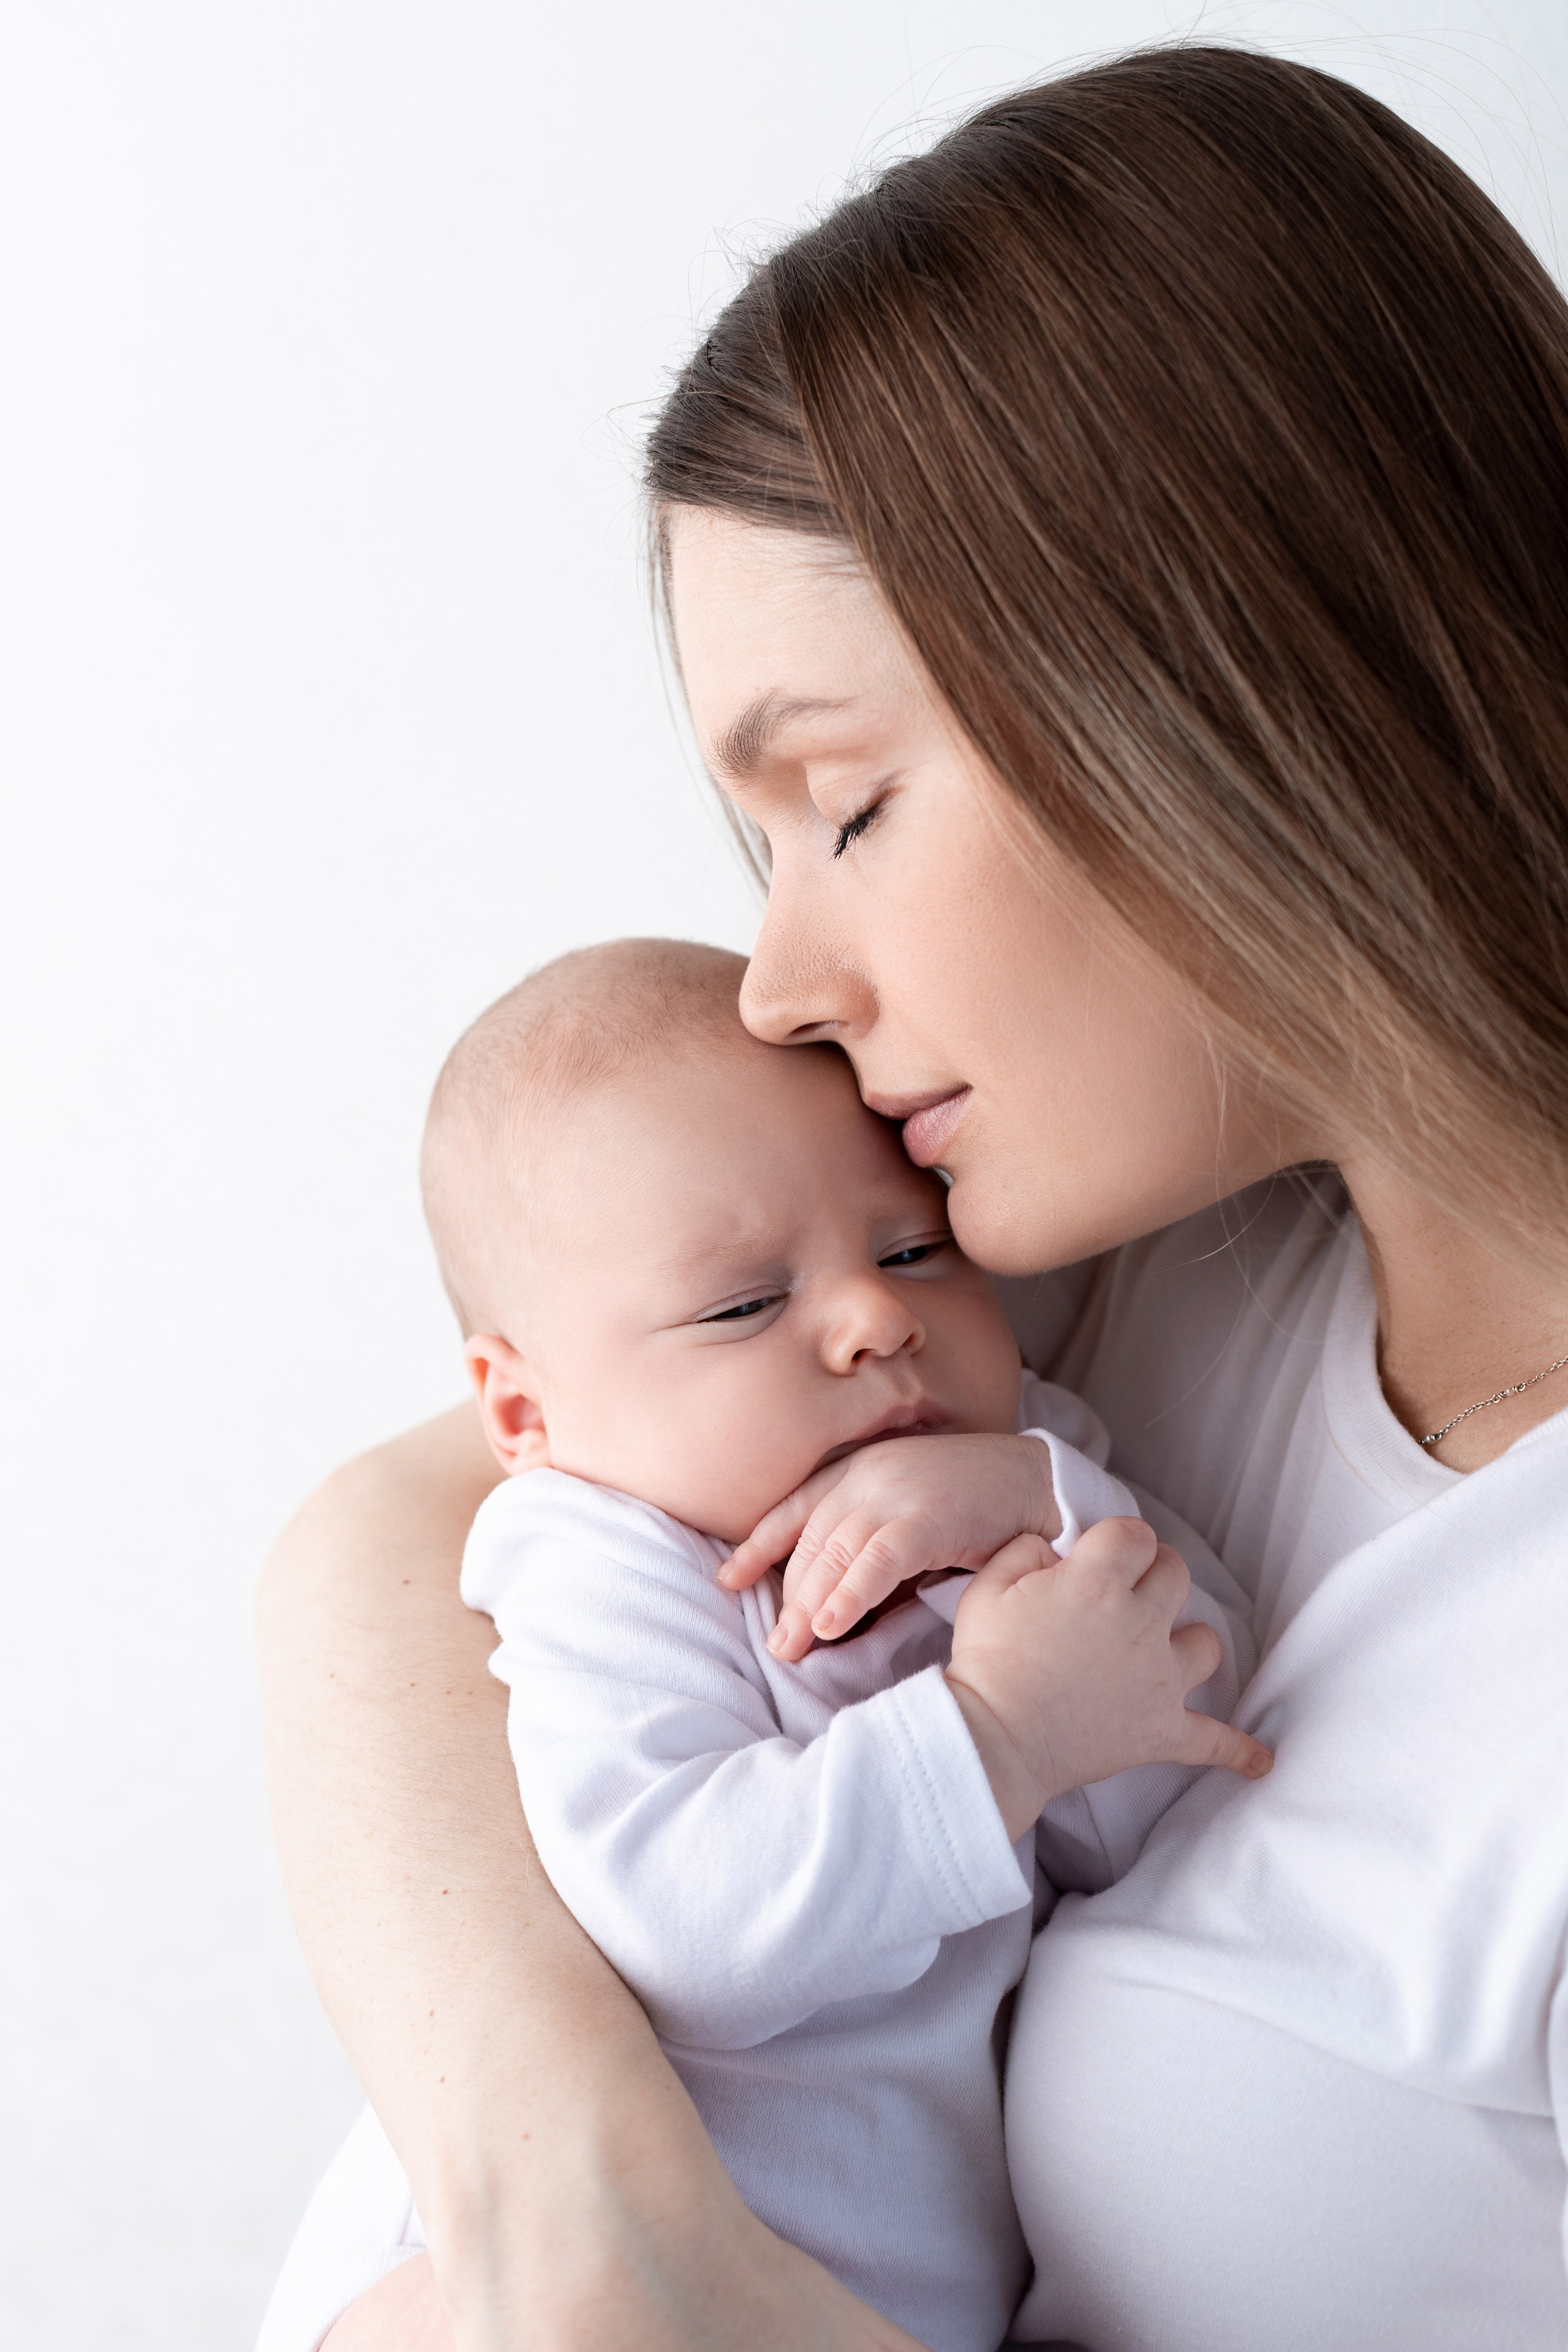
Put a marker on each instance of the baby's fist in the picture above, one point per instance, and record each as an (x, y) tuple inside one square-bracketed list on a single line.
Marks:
[(1068, 1670)]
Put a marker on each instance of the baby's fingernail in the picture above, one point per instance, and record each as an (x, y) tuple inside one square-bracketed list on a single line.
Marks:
[(1261, 1764), (824, 1622), (777, 1639)]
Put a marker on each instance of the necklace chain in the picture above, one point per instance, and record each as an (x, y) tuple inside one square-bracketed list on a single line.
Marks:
[(1517, 1390)]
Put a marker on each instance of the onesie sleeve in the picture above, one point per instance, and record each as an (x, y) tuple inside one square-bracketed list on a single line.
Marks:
[(737, 1880), (1092, 1836)]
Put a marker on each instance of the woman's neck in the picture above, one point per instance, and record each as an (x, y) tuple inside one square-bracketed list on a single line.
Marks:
[(1456, 1322)]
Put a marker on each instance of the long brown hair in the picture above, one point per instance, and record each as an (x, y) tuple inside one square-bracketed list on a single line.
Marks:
[(1207, 429)]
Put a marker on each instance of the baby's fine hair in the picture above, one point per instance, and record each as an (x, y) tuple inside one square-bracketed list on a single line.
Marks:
[(569, 1027)]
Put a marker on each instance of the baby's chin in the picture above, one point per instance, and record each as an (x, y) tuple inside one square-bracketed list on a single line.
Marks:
[(731, 1515), (731, 1522)]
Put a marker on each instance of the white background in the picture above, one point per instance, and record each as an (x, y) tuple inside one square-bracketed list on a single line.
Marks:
[(330, 706)]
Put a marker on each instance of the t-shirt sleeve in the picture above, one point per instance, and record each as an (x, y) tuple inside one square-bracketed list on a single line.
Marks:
[(739, 1880)]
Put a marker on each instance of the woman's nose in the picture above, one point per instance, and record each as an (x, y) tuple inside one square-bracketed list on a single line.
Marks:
[(871, 1317), (801, 983)]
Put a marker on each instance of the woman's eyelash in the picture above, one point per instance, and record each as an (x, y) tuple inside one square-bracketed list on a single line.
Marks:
[(853, 827)]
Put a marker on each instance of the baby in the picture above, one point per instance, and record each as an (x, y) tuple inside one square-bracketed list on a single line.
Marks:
[(696, 1274)]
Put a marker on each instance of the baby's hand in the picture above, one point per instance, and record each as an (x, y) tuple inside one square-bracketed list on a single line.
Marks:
[(1067, 1670), (896, 1509)]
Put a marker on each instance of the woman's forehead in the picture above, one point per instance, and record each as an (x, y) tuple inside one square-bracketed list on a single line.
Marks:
[(769, 623)]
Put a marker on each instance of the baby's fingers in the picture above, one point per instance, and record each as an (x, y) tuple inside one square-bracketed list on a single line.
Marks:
[(1025, 1556), (1121, 1551), (830, 1544), (792, 1636), (1199, 1650), (776, 1534), (885, 1558), (1203, 1741)]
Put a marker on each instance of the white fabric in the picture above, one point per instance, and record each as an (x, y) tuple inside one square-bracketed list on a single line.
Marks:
[(359, 2224), (801, 1872), (1295, 2081)]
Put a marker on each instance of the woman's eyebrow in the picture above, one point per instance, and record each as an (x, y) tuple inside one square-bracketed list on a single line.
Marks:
[(741, 746)]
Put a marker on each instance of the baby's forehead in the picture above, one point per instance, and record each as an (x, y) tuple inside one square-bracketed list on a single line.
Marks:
[(716, 1085), (712, 1144)]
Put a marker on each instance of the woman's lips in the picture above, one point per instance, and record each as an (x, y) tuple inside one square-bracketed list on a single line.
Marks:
[(929, 1129)]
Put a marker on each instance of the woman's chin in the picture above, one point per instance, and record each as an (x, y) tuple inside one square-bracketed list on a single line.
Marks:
[(992, 1224), (1003, 1224)]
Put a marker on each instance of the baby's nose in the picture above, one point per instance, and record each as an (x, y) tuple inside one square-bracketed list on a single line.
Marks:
[(875, 1318)]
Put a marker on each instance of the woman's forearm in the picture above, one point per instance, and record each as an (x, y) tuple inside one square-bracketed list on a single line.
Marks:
[(570, 2195), (486, 2028)]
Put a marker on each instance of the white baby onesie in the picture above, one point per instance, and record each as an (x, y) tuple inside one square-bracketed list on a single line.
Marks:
[(800, 1871)]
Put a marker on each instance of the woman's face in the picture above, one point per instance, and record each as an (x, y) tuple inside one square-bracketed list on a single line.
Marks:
[(1034, 1050)]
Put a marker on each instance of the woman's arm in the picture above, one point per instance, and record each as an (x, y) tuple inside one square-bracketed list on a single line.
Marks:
[(570, 2196)]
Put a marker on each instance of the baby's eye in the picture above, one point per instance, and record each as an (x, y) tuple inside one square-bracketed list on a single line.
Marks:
[(916, 1254), (748, 1306)]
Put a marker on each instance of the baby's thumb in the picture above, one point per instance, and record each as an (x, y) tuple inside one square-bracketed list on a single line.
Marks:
[(1205, 1742)]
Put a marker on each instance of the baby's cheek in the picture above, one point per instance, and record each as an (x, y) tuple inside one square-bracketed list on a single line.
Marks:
[(972, 1360), (746, 1475), (755, 1448)]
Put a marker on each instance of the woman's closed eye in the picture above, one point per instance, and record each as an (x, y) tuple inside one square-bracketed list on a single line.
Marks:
[(861, 822)]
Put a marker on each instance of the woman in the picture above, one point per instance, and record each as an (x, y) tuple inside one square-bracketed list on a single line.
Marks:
[(1117, 563)]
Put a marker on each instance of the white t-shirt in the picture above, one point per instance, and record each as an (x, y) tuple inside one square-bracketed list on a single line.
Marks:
[(1295, 2082)]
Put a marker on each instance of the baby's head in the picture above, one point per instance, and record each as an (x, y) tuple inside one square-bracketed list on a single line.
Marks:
[(689, 1265)]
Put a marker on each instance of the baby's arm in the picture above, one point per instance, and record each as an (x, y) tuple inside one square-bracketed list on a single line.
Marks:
[(740, 1881), (737, 1880), (894, 1509)]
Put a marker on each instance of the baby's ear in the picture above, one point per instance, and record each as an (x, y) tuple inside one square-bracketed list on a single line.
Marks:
[(509, 1404)]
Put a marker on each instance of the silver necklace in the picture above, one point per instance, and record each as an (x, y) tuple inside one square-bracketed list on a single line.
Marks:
[(1517, 1390)]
